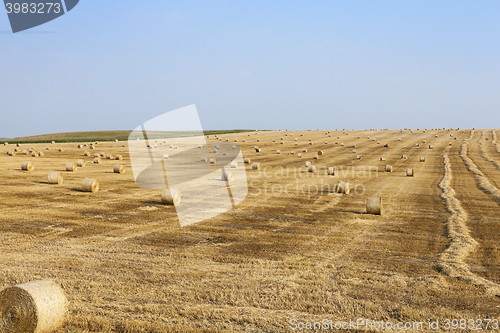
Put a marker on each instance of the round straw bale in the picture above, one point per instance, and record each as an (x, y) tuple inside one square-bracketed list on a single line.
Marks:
[(11, 153), (97, 160), (336, 142), (354, 150), (399, 139), (292, 152), (382, 158), (274, 140), (28, 166), (258, 140), (353, 146), (257, 150), (310, 143), (386, 145), (71, 166), (91, 147), (33, 307), (102, 154), (404, 157), (214, 151), (311, 168), (80, 146), (204, 159), (34, 154), (308, 163), (116, 140), (320, 152), (53, 142), (278, 151), (165, 156), (431, 147), (110, 157), (61, 149), (331, 171), (315, 156), (410, 172), (212, 160), (418, 144), (226, 176), (80, 163), (235, 140), (422, 159), (282, 142), (234, 164), (342, 144), (25, 152), (342, 187), (243, 140), (5, 143), (86, 153), (423, 141), (120, 157), (359, 157), (55, 177), (295, 139), (90, 185), (374, 206), (388, 168), (97, 155), (256, 166), (47, 148), (299, 155), (247, 161), (119, 168), (378, 142), (304, 150)]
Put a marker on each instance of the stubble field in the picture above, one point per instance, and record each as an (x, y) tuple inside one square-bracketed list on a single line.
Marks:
[(292, 250)]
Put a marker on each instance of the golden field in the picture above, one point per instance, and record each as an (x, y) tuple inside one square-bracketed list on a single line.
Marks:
[(307, 254)]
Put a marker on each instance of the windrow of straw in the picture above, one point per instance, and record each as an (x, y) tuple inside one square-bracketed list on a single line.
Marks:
[(452, 260)]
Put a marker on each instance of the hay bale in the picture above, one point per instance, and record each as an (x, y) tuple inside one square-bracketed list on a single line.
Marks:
[(55, 177), (86, 153), (326, 142), (214, 151), (282, 142), (165, 156), (97, 155), (47, 148), (5, 143), (91, 147), (342, 188), (33, 307), (404, 157), (422, 159), (278, 151), (243, 140), (120, 157), (71, 167), (331, 171), (257, 150), (256, 166), (418, 144), (292, 152), (431, 147), (410, 172), (109, 157), (315, 156), (247, 161), (102, 154), (299, 155), (80, 163), (320, 152), (28, 166), (204, 159), (90, 185), (53, 142), (97, 160), (354, 151), (304, 150), (25, 152), (34, 154), (11, 153), (388, 168), (310, 143), (226, 176), (312, 168), (171, 198), (342, 144), (382, 158), (61, 149), (359, 157), (212, 160), (234, 164), (386, 145), (80, 146), (119, 168), (374, 206), (308, 163)]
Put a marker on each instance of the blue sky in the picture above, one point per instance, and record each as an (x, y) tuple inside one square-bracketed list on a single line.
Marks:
[(254, 64)]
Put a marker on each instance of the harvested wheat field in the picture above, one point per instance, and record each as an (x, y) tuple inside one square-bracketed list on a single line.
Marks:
[(299, 249)]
